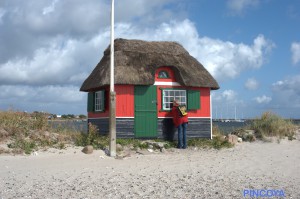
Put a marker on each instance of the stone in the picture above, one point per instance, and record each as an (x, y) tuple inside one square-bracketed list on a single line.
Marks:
[(246, 135), (160, 145), (106, 151), (54, 136), (233, 139), (150, 150), (119, 147), (240, 140), (46, 134), (250, 132), (88, 149), (163, 150)]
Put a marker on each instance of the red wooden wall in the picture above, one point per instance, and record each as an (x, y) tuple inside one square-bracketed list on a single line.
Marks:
[(124, 102), (125, 98), (204, 110)]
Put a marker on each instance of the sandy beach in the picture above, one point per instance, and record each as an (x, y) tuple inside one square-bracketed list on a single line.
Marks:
[(190, 173)]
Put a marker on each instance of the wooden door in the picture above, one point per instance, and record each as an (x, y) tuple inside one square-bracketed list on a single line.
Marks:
[(145, 112)]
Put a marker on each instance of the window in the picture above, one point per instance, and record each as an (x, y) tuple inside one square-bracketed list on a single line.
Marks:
[(191, 98), (163, 74), (99, 101), (169, 95), (96, 101)]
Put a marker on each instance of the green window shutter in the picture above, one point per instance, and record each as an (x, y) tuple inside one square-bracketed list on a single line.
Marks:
[(90, 101), (193, 99)]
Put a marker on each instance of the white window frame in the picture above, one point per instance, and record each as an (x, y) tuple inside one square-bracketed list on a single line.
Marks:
[(169, 95), (99, 101), (163, 74)]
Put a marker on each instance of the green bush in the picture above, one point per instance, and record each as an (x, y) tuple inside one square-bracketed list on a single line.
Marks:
[(92, 138), (26, 145), (28, 132), (270, 124), (216, 131), (217, 142)]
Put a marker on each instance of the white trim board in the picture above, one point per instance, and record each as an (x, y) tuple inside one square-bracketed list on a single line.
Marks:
[(166, 84)]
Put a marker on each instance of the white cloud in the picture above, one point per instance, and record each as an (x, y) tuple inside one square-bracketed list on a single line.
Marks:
[(2, 13), (290, 83), (229, 95), (43, 98), (287, 92), (25, 28), (239, 6), (50, 8), (251, 84), (286, 96), (295, 49), (278, 83), (225, 96), (263, 99), (223, 59), (224, 104), (42, 94), (48, 48), (64, 62)]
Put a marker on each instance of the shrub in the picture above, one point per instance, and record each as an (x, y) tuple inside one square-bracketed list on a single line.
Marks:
[(92, 138), (271, 124), (217, 142), (28, 132), (26, 145), (216, 131)]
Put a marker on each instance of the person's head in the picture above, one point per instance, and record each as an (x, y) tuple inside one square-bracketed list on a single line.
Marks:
[(175, 102)]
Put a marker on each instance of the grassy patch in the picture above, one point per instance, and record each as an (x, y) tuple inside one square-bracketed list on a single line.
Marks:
[(271, 125), (92, 138), (26, 133), (26, 145), (217, 142)]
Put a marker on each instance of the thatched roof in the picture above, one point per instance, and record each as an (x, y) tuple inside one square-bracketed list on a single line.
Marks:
[(137, 60)]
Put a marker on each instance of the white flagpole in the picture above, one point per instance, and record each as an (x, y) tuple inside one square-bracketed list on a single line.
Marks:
[(112, 107), (112, 35)]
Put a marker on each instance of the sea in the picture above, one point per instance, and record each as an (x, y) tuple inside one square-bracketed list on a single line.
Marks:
[(225, 126), (232, 125)]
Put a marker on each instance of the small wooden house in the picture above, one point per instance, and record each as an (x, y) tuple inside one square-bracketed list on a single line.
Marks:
[(148, 77)]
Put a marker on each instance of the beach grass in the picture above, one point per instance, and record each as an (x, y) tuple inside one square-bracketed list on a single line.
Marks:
[(272, 125), (25, 133), (218, 141)]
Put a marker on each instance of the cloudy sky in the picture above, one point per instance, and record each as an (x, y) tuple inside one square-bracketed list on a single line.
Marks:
[(252, 48)]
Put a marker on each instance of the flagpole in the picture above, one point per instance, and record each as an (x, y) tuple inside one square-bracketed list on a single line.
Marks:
[(112, 107)]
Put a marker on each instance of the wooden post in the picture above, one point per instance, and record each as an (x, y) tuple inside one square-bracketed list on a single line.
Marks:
[(112, 98)]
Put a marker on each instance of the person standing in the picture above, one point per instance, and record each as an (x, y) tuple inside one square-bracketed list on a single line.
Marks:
[(180, 121)]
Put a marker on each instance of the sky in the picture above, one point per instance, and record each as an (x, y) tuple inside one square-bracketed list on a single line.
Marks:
[(251, 47)]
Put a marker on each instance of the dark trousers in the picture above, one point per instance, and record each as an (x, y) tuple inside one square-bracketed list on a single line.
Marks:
[(182, 136)]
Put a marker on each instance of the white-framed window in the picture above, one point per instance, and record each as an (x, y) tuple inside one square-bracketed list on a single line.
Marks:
[(99, 101), (163, 74), (169, 95)]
